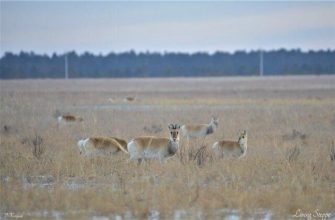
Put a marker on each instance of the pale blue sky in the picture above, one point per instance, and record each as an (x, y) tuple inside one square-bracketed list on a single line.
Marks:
[(102, 27)]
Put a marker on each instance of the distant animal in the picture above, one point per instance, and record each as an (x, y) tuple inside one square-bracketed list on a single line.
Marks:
[(237, 149), (102, 146), (7, 129), (68, 119), (130, 98), (158, 148), (199, 130)]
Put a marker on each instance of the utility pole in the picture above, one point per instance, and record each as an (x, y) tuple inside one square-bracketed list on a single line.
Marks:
[(66, 67), (261, 63)]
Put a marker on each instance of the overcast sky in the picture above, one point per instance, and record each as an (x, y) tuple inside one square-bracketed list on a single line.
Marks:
[(102, 27)]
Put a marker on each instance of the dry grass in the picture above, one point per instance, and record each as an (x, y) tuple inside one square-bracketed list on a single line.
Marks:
[(288, 165)]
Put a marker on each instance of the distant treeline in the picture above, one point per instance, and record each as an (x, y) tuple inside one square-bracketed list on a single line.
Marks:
[(150, 64)]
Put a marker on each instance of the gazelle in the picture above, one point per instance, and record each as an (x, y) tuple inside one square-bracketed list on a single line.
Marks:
[(67, 119), (102, 146), (159, 148), (199, 130), (236, 149), (130, 98)]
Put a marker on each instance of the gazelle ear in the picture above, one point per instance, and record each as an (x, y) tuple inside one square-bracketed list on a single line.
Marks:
[(177, 126), (170, 126)]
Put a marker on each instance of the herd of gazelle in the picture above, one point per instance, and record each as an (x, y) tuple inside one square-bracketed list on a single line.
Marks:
[(159, 148)]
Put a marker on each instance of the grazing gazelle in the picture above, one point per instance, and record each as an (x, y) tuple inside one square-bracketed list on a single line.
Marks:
[(158, 148), (236, 149), (101, 146), (68, 119)]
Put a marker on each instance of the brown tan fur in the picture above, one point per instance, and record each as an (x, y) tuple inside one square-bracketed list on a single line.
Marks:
[(102, 146), (70, 118), (122, 142), (130, 98), (107, 142), (199, 130), (64, 120), (150, 142), (235, 149), (149, 147)]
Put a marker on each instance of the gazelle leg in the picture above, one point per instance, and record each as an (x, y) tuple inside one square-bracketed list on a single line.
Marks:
[(203, 141)]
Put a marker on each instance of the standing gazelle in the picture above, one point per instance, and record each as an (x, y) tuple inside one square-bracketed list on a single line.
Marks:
[(235, 149), (199, 130), (158, 148), (102, 146)]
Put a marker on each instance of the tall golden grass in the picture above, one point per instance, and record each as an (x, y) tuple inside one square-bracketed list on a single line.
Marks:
[(288, 165)]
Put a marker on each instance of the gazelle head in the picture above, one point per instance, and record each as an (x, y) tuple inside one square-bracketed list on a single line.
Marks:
[(81, 146), (215, 121), (174, 132), (243, 137)]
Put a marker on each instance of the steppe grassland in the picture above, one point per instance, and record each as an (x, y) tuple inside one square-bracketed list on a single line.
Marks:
[(280, 114)]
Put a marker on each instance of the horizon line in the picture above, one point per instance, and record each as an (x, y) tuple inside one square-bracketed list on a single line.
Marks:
[(137, 52)]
